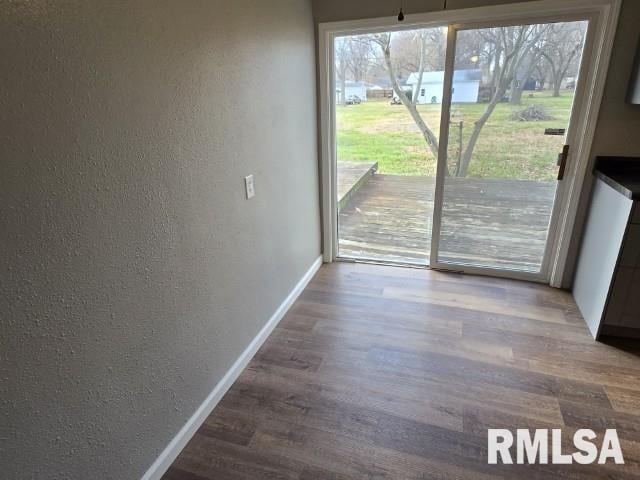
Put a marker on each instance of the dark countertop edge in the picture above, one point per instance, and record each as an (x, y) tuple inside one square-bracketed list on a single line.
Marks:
[(620, 173), (617, 186)]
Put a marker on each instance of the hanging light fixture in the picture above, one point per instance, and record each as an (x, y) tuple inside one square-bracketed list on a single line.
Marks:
[(401, 12)]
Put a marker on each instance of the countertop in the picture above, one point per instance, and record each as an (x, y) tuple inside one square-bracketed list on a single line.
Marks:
[(621, 173)]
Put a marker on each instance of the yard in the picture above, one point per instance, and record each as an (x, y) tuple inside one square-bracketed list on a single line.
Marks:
[(507, 148)]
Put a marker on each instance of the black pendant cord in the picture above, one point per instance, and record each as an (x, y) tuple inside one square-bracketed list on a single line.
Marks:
[(400, 13)]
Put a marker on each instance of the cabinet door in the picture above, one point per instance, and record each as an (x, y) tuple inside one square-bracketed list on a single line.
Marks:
[(635, 218), (631, 315), (631, 248), (617, 304), (601, 244)]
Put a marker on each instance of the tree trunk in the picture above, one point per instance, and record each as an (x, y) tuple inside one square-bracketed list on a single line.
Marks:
[(416, 91), (463, 168), (557, 83), (542, 82), (429, 136), (496, 70), (516, 93), (343, 86), (512, 61), (502, 83)]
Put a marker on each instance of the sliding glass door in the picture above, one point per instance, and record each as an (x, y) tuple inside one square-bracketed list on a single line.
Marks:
[(388, 101), (510, 95), (451, 142)]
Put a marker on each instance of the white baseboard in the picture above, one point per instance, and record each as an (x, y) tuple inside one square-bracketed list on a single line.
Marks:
[(169, 454)]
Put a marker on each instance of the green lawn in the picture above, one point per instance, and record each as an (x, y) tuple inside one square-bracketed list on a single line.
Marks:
[(378, 131)]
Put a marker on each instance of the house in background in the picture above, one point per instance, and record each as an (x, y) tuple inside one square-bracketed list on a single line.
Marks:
[(466, 85), (353, 88)]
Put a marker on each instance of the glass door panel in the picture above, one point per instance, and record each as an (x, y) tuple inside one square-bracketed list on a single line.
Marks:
[(511, 101), (389, 89)]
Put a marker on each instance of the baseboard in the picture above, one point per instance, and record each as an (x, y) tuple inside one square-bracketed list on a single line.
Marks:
[(169, 454)]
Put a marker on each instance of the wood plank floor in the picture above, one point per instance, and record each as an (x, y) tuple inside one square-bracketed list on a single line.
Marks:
[(492, 222), (396, 373)]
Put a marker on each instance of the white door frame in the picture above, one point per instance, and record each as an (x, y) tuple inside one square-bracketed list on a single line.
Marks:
[(604, 17)]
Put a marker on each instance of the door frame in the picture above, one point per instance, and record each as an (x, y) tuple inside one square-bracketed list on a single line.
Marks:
[(604, 17)]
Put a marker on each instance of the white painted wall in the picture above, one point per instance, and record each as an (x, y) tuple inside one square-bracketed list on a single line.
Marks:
[(133, 271)]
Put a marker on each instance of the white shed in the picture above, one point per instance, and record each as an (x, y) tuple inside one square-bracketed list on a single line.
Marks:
[(466, 85), (353, 88)]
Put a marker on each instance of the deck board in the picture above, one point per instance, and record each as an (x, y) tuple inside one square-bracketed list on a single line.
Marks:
[(495, 222), (350, 175)]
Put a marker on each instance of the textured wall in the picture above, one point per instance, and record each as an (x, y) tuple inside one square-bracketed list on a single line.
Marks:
[(619, 122), (133, 272)]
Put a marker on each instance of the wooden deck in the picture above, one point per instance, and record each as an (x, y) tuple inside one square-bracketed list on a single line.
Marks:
[(352, 176), (492, 222)]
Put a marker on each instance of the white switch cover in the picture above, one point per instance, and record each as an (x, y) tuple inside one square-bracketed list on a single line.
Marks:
[(249, 186)]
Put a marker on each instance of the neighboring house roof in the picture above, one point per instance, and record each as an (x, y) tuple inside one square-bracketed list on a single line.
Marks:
[(438, 77), (351, 84)]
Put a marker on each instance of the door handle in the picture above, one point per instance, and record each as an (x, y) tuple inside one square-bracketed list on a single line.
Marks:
[(554, 131), (562, 161)]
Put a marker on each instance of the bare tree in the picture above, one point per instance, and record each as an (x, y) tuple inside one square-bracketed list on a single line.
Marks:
[(353, 58), (340, 54), (514, 44), (562, 48), (405, 58), (529, 65), (359, 57), (384, 42), (541, 73), (508, 47)]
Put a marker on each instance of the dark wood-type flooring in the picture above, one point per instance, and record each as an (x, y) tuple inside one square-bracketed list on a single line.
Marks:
[(499, 223), (397, 373)]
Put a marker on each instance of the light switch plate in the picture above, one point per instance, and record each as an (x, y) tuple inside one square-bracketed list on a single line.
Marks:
[(249, 186)]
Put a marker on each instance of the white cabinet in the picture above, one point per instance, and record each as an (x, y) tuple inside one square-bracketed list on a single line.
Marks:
[(607, 283)]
